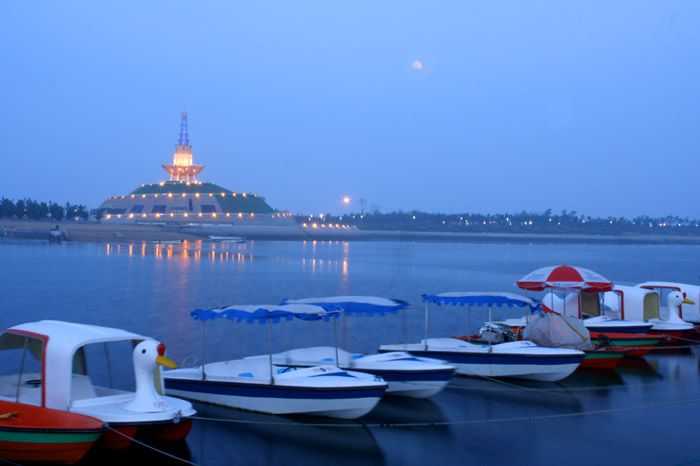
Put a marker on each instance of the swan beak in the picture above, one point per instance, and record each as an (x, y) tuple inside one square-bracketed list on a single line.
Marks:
[(166, 362), (688, 301)]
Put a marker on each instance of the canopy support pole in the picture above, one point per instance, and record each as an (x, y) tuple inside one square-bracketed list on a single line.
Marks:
[(109, 366), (204, 350), (269, 352), (490, 322), (426, 325), (335, 337), (21, 368)]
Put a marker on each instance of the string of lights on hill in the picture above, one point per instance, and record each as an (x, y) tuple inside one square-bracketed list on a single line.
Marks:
[(523, 222)]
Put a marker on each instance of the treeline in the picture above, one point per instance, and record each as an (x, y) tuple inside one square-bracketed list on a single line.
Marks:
[(34, 210), (522, 222)]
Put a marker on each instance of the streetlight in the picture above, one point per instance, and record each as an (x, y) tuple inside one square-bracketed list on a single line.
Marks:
[(347, 200)]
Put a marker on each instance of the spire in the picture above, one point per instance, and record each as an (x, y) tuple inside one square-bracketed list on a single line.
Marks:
[(184, 137), (183, 167)]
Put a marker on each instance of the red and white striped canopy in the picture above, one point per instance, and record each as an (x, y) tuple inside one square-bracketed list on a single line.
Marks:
[(564, 277)]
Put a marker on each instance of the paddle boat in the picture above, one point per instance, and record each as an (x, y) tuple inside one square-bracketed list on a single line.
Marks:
[(644, 303), (607, 323), (257, 384), (689, 311), (570, 283), (33, 434), (63, 383), (407, 375), (519, 359)]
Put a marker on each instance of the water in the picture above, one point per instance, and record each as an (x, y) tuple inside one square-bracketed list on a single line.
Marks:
[(645, 413)]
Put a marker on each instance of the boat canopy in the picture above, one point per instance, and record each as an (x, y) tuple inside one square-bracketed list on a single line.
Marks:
[(565, 277), (354, 304), (632, 303), (61, 341), (263, 313), (480, 298)]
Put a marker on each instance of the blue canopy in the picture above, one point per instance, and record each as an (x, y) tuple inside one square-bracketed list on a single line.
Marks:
[(262, 313), (354, 304), (476, 298)]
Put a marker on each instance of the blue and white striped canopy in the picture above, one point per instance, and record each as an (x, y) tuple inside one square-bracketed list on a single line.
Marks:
[(478, 298), (354, 304), (262, 313)]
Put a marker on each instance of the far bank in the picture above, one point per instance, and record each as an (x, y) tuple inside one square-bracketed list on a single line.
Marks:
[(100, 232)]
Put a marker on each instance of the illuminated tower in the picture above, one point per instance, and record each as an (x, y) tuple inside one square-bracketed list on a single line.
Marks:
[(183, 169)]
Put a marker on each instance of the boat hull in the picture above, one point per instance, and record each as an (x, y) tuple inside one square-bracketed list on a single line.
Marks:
[(44, 447), (120, 435), (34, 434), (677, 337), (602, 360), (545, 368), (343, 403), (634, 329), (413, 384)]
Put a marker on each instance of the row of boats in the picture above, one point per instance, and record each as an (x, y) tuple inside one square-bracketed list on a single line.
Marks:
[(58, 413)]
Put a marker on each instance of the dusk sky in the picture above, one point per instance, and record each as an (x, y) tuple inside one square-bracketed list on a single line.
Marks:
[(440, 106)]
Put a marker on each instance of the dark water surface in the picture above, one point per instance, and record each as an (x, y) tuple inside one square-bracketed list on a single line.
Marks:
[(645, 413)]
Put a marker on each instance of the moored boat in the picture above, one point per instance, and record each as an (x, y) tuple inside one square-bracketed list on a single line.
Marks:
[(406, 374), (62, 381), (644, 303), (518, 359), (35, 434), (257, 384)]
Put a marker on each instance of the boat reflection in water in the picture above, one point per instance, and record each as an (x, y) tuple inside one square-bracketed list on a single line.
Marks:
[(318, 257), (280, 439)]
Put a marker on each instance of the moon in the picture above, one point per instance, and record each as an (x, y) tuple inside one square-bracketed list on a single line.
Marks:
[(417, 65)]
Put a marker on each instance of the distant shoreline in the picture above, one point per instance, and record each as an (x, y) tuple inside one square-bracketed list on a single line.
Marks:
[(97, 232)]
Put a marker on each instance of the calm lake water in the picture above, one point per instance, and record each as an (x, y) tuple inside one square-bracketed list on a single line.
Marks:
[(645, 413)]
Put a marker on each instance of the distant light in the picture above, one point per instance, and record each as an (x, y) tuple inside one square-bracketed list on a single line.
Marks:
[(347, 200), (417, 65)]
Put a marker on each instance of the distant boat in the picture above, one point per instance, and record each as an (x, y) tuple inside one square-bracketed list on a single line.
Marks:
[(227, 239), (167, 241), (34, 434), (56, 235)]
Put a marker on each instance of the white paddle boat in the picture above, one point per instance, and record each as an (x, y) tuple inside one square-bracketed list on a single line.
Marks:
[(518, 359), (406, 374), (257, 384)]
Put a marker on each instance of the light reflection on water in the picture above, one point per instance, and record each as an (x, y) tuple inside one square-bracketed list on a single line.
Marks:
[(150, 288)]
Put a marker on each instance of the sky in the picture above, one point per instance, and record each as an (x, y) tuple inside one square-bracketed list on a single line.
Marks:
[(446, 106)]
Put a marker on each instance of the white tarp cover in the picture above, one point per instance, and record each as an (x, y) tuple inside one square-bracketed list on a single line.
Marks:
[(556, 331)]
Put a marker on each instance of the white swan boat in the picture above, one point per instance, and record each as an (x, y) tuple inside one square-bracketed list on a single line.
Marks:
[(644, 303), (56, 350), (256, 384), (689, 310), (518, 359), (406, 374)]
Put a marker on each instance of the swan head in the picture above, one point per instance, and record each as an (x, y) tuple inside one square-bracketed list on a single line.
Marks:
[(676, 298), (148, 355)]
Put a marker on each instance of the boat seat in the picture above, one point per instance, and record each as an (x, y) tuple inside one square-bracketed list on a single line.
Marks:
[(82, 388)]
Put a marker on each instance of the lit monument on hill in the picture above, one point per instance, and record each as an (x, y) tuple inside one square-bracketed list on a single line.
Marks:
[(183, 198)]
